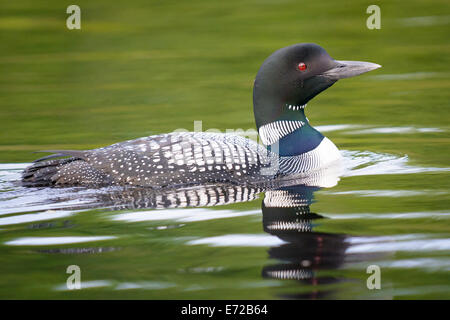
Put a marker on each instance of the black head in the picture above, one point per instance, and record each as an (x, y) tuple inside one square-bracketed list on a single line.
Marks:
[(294, 75)]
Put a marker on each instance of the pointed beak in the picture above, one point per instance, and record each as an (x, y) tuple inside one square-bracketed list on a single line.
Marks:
[(347, 69)]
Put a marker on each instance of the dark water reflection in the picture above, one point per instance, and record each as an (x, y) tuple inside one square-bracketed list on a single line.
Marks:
[(287, 215)]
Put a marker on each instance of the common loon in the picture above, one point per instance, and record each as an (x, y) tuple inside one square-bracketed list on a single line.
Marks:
[(285, 82)]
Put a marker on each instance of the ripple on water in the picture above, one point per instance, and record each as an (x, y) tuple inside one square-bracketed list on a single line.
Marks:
[(48, 241), (387, 193), (143, 285), (364, 163), (425, 21), (411, 242), (400, 215), (390, 130), (33, 217), (415, 245), (239, 240), (182, 215)]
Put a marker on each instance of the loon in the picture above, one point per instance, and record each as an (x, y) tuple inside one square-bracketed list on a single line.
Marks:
[(287, 80)]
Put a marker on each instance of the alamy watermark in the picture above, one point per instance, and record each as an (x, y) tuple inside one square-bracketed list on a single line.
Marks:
[(189, 149), (74, 20), (74, 280), (374, 280), (374, 20)]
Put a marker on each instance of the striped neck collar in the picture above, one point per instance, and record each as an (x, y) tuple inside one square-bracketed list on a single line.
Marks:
[(292, 119), (295, 107)]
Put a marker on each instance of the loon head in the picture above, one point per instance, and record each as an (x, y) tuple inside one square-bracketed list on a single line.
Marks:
[(292, 76)]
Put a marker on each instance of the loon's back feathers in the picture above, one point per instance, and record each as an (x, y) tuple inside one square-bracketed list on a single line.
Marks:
[(189, 158), (157, 161), (42, 173)]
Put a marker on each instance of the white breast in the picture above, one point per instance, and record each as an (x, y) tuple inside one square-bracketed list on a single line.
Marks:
[(320, 167), (325, 154)]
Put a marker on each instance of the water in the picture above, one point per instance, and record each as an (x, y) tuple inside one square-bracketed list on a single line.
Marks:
[(235, 243), (135, 72)]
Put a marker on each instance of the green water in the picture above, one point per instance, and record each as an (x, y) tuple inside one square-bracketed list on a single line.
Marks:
[(148, 67)]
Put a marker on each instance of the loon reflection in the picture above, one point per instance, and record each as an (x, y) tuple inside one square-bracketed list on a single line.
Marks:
[(286, 214), (306, 252), (123, 197)]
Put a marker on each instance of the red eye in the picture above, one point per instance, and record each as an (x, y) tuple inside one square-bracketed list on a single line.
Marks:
[(301, 66)]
